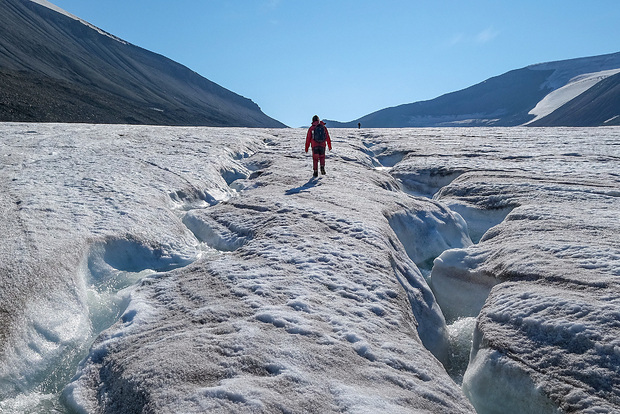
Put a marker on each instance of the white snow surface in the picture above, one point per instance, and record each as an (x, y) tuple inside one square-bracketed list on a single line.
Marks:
[(575, 87), (566, 70), (161, 269)]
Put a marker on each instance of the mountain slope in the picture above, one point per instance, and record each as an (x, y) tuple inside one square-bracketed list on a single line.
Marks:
[(599, 105), (55, 67), (502, 100), (506, 100)]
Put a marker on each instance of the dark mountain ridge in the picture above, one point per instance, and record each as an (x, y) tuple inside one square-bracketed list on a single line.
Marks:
[(507, 99), (598, 106), (54, 68)]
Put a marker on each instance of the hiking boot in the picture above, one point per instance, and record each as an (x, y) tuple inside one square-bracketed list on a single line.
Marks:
[(323, 170), (316, 173)]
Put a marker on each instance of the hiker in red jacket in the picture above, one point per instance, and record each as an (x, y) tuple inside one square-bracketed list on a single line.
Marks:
[(318, 136)]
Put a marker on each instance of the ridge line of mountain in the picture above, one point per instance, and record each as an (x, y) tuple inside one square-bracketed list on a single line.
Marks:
[(55, 67), (508, 99)]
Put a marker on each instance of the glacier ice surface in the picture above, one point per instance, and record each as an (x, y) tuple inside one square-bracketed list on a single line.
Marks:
[(202, 269)]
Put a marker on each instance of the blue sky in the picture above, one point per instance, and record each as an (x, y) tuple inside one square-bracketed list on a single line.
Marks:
[(342, 59)]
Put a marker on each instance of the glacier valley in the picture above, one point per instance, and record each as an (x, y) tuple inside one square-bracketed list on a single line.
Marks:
[(150, 269)]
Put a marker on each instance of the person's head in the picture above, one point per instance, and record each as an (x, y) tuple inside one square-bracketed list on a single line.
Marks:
[(315, 118)]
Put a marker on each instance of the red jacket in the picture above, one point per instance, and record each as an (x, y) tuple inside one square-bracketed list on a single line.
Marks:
[(309, 139)]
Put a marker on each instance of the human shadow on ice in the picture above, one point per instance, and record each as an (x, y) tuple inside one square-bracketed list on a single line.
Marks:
[(307, 186)]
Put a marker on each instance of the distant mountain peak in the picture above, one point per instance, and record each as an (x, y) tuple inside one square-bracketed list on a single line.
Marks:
[(526, 96), (56, 67), (57, 9), (566, 70)]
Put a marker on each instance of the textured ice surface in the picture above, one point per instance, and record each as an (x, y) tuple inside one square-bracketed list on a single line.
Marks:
[(575, 87), (257, 289), (543, 204), (203, 270)]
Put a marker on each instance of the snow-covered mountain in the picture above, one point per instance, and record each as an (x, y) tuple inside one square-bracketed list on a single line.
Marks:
[(173, 269), (597, 105), (576, 92), (55, 67)]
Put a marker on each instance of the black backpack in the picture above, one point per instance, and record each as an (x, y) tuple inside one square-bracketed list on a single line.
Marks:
[(319, 134)]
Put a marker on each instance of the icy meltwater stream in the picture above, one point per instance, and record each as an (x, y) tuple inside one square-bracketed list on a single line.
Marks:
[(160, 269)]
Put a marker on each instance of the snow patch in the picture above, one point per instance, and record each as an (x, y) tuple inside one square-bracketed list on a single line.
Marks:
[(565, 70), (611, 119), (57, 9), (575, 87)]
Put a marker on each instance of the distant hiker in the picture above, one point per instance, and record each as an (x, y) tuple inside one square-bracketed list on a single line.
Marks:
[(359, 125), (318, 136)]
